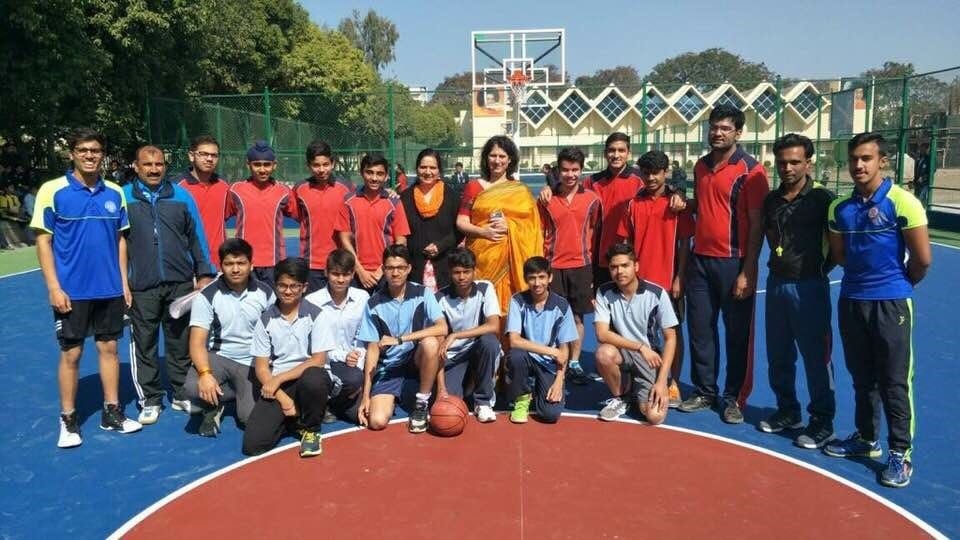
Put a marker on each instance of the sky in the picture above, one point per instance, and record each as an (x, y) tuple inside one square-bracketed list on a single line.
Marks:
[(805, 39)]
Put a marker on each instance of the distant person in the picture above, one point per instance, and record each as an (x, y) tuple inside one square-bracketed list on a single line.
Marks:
[(550, 174), (261, 202), (80, 219), (459, 176), (168, 257), (11, 220), (500, 220), (209, 190), (401, 178), (871, 232), (678, 178), (319, 200), (431, 210), (921, 176)]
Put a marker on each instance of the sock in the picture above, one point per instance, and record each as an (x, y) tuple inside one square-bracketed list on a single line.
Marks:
[(574, 364), (68, 413), (423, 397), (105, 403)]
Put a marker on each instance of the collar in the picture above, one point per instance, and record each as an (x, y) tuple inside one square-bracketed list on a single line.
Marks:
[(807, 186), (273, 311), (412, 290), (78, 184), (163, 191), (382, 193), (451, 290), (668, 190), (879, 195), (224, 287), (735, 158), (188, 177), (324, 297)]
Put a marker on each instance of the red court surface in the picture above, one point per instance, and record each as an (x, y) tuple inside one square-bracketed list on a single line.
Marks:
[(578, 479)]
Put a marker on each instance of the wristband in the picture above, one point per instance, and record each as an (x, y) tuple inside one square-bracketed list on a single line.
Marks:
[(399, 340), (202, 372)]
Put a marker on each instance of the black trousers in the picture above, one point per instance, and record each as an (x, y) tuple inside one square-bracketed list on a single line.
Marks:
[(878, 348), (346, 404), (267, 422), (148, 314), (710, 283)]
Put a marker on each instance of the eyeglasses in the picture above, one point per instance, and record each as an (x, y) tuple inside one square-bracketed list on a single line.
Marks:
[(396, 268), (90, 151), (293, 287), (207, 155)]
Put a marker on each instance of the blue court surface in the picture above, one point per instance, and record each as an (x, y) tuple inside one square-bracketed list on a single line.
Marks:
[(90, 491)]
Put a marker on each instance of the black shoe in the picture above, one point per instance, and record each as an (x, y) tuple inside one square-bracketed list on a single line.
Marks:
[(779, 421), (329, 417), (113, 419), (817, 434), (731, 413), (418, 417), (696, 403), (210, 425)]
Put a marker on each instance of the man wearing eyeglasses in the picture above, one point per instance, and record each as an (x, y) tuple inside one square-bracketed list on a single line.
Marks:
[(208, 190), (79, 219)]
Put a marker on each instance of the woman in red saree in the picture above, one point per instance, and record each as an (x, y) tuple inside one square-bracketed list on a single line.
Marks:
[(499, 218)]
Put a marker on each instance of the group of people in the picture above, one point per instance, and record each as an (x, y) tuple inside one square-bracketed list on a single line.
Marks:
[(428, 292)]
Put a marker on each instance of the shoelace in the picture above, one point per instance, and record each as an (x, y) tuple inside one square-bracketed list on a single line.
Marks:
[(897, 462), (612, 401), (70, 423)]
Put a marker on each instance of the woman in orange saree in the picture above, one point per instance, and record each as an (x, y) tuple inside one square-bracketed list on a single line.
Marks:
[(499, 218)]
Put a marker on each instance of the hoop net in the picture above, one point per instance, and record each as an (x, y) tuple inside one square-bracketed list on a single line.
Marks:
[(518, 85)]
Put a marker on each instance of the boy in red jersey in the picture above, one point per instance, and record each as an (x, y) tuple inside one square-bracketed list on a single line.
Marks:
[(571, 227), (319, 200), (663, 237), (370, 220), (209, 191), (261, 204)]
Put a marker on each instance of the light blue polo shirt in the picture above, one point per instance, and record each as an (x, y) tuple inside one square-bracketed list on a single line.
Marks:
[(874, 248), (552, 326), (467, 313), (85, 224), (284, 343), (387, 316), (339, 324), (641, 318), (230, 317)]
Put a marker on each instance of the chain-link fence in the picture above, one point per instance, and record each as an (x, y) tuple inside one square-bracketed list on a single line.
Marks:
[(919, 115)]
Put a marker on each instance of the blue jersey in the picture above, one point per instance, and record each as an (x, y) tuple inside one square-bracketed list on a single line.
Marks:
[(85, 224), (387, 316), (873, 243)]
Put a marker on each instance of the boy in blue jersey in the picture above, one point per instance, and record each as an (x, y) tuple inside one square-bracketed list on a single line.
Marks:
[(541, 330), (167, 252), (79, 219), (870, 231), (402, 326), (290, 365)]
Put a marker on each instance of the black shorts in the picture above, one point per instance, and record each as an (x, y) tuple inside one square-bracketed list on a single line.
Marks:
[(103, 319), (576, 285), (317, 281), (679, 306), (601, 275)]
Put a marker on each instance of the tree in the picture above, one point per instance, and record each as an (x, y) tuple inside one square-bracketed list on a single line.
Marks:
[(372, 34), (625, 78), (454, 91), (708, 69), (928, 97)]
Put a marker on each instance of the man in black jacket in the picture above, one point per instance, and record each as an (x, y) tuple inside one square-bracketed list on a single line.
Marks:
[(167, 252)]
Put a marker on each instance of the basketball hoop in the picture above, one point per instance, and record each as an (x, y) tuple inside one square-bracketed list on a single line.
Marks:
[(518, 85)]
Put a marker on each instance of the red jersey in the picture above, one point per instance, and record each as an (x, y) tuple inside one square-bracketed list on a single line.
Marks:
[(655, 230), (318, 205), (570, 228), (615, 192), (260, 211), (725, 193), (215, 207), (471, 191), (374, 224)]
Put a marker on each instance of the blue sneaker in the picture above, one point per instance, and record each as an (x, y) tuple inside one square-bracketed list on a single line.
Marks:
[(853, 446), (576, 375), (898, 471)]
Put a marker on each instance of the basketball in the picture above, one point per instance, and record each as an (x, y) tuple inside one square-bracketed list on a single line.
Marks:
[(448, 416)]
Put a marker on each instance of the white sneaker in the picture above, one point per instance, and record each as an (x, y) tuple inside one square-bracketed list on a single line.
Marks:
[(613, 409), (149, 415), (185, 406), (69, 431), (485, 414)]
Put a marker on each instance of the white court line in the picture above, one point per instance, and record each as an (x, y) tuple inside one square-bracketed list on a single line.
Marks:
[(834, 282), (944, 245), (19, 273), (135, 520)]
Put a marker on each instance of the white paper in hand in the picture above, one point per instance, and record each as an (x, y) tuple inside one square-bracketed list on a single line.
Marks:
[(182, 305)]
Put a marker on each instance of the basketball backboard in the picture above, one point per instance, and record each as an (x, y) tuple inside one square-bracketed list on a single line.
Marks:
[(539, 54)]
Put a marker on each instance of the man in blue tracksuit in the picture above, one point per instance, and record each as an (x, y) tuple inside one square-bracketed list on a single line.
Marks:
[(167, 252)]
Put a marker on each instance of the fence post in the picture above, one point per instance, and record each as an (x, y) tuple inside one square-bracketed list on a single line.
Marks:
[(778, 122), (219, 123), (932, 156), (267, 124), (643, 120), (819, 119), (868, 122), (904, 120), (147, 120), (391, 136)]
